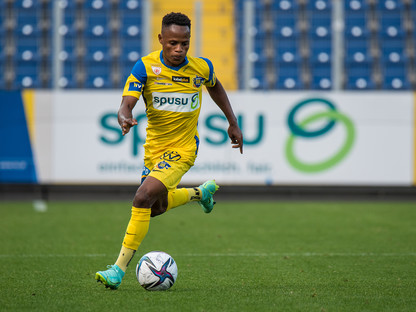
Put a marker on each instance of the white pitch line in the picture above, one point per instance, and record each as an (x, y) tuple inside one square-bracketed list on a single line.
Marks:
[(272, 254)]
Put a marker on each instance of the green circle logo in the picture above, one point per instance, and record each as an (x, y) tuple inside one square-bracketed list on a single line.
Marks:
[(299, 130)]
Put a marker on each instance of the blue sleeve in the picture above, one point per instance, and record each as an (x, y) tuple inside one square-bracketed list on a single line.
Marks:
[(211, 68), (139, 71)]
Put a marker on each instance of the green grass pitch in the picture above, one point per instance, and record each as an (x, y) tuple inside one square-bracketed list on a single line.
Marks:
[(244, 256)]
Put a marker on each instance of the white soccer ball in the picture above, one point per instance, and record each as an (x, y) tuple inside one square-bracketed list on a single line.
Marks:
[(156, 270)]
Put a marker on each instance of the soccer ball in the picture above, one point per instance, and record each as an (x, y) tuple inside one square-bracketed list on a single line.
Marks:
[(156, 270)]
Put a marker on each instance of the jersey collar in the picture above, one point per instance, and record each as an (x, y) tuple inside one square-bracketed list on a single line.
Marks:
[(174, 68)]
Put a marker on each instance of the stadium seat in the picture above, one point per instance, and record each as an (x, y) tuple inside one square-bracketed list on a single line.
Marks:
[(360, 83), (98, 81), (396, 83), (288, 76), (319, 13), (390, 7), (287, 55), (319, 5), (26, 80), (96, 5), (321, 82), (355, 6), (68, 78), (287, 6), (133, 6), (320, 54), (98, 74), (289, 83)]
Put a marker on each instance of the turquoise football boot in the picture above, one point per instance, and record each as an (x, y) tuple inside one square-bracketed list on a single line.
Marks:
[(110, 278), (207, 201)]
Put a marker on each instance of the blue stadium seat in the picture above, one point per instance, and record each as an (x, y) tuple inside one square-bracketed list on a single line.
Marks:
[(133, 6), (320, 36), (25, 45), (98, 53), (289, 77), (356, 55), (321, 72), (396, 83), (390, 7), (319, 5), (97, 5), (287, 54), (130, 28), (26, 6), (321, 82), (360, 83), (320, 55), (98, 81), (319, 13), (359, 75), (68, 51), (356, 13), (68, 79), (130, 54), (27, 75), (67, 29), (289, 83), (98, 75), (286, 6), (355, 6)]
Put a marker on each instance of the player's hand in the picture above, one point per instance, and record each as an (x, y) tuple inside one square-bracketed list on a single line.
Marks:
[(126, 124), (236, 136)]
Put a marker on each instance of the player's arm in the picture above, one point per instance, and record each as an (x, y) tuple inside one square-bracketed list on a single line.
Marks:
[(220, 97), (125, 113)]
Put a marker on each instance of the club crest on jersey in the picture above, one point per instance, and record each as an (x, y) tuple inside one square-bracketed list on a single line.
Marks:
[(157, 69), (163, 165), (198, 81)]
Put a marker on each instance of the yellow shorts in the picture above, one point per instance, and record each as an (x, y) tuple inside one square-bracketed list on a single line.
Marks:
[(168, 166)]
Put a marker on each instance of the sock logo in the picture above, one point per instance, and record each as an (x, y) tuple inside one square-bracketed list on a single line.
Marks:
[(197, 195)]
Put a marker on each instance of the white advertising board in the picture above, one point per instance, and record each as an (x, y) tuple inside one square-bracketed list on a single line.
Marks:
[(297, 138)]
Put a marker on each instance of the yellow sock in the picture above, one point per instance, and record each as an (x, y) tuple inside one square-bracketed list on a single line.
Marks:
[(137, 227), (182, 196), (124, 258)]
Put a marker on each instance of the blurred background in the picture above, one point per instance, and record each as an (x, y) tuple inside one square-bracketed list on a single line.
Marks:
[(267, 44), (348, 127)]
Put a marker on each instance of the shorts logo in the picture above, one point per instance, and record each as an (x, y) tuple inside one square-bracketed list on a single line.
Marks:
[(197, 81), (156, 69), (180, 79), (171, 156), (163, 165), (135, 86)]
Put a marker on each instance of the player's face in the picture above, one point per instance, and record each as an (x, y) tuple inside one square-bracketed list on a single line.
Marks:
[(175, 42)]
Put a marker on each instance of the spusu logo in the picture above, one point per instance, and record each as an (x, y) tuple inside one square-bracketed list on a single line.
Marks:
[(175, 102), (300, 130)]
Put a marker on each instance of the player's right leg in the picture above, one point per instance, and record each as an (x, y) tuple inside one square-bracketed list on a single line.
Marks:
[(147, 194)]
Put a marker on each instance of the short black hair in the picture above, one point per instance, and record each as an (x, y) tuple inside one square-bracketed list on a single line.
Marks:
[(176, 19)]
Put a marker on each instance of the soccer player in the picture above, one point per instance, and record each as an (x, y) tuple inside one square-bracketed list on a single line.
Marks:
[(171, 84)]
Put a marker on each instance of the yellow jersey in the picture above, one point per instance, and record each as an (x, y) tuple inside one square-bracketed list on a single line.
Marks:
[(172, 96)]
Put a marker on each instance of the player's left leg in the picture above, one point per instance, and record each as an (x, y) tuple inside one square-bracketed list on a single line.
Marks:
[(202, 194)]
